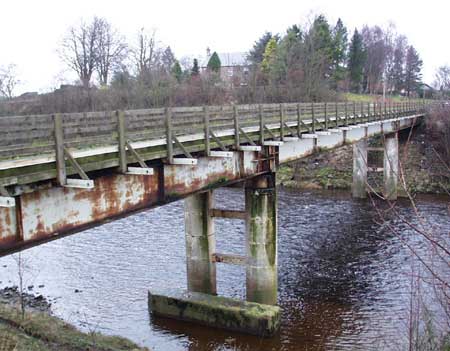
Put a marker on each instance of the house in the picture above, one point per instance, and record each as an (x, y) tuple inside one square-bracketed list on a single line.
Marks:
[(234, 68)]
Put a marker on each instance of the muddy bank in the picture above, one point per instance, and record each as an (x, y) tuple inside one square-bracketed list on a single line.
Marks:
[(37, 329), (423, 171)]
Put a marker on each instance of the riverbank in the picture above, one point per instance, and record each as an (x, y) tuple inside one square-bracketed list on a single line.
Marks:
[(423, 171), (38, 330)]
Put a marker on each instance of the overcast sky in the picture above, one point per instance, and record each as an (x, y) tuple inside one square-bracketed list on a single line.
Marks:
[(30, 31)]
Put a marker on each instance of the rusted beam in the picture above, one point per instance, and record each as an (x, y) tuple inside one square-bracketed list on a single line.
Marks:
[(115, 195)]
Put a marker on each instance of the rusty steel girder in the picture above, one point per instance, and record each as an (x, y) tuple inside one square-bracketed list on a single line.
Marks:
[(51, 212)]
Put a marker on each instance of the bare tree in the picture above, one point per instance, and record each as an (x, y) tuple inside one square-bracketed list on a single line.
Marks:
[(111, 50), (374, 39), (145, 54), (79, 49), (8, 81), (442, 78)]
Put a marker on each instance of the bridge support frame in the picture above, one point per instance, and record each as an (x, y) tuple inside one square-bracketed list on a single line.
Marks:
[(359, 169), (259, 314), (391, 166)]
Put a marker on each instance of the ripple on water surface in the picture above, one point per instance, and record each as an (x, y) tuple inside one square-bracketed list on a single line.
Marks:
[(343, 279)]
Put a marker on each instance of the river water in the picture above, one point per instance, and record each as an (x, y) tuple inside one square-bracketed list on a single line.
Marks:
[(344, 279)]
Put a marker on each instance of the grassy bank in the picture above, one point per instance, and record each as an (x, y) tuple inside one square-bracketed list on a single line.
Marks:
[(351, 97), (39, 331), (423, 171)]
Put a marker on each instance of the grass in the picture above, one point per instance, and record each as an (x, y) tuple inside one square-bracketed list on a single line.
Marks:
[(40, 331), (351, 97)]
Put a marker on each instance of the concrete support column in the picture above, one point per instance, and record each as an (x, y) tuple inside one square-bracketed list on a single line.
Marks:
[(200, 243), (359, 169), (391, 166), (261, 240)]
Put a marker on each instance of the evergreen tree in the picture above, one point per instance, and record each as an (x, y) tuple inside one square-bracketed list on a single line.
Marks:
[(177, 72), (340, 44), (413, 68), (397, 76), (356, 62), (269, 56), (256, 55), (214, 63), (287, 55), (322, 39), (168, 59), (195, 69)]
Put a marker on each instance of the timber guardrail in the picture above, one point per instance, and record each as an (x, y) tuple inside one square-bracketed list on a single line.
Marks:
[(104, 139)]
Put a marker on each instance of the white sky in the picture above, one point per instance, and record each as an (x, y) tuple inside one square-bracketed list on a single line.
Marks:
[(30, 31)]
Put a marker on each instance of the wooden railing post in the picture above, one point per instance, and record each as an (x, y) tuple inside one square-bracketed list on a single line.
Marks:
[(237, 141), (337, 114), (313, 118), (169, 138), (61, 174), (261, 124), (346, 113), (206, 127), (368, 111), (282, 118), (299, 120), (355, 120), (122, 141), (326, 115), (362, 111)]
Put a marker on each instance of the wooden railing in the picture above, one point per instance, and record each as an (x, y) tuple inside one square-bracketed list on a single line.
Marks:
[(25, 136)]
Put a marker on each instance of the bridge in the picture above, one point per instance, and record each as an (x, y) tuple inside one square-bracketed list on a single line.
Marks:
[(62, 173)]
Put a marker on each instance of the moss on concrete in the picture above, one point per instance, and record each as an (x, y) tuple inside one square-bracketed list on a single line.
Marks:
[(216, 311)]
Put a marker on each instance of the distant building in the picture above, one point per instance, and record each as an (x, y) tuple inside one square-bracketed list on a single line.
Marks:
[(234, 69)]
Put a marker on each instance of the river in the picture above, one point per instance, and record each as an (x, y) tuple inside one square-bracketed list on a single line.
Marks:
[(344, 279)]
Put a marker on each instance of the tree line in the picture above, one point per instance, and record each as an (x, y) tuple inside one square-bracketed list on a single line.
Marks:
[(320, 57), (309, 62)]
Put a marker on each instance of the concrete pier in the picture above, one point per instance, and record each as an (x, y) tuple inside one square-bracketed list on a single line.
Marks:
[(359, 169), (391, 166), (200, 243), (261, 240), (216, 311)]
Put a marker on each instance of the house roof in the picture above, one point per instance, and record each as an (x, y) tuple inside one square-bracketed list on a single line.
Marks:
[(227, 59)]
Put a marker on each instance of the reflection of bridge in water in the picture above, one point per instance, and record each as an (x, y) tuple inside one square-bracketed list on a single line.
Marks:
[(64, 172)]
